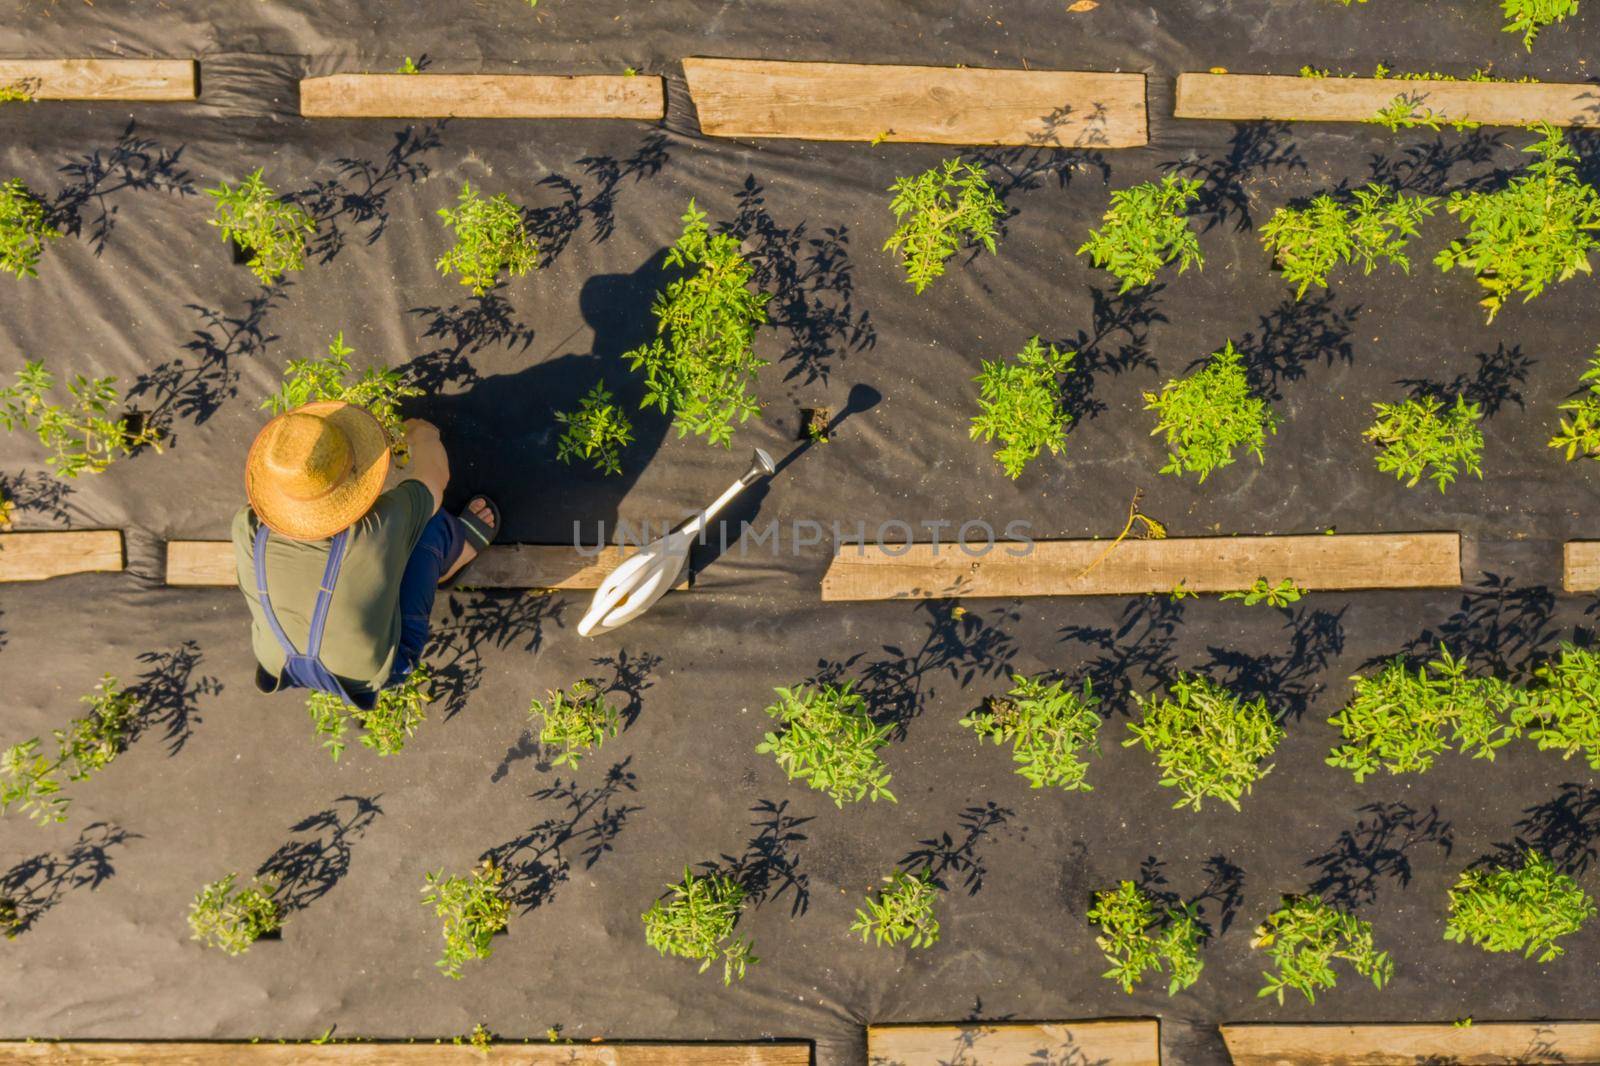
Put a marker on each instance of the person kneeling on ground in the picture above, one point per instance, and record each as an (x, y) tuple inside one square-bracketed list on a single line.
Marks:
[(339, 574)]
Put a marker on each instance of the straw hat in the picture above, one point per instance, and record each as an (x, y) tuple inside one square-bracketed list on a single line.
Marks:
[(317, 469)]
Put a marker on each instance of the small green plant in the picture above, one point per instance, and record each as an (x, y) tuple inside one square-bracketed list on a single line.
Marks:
[(1419, 437), (1137, 938), (31, 782), (1304, 937), (1308, 242), (1282, 594), (18, 92), (695, 920), (1147, 227), (408, 67), (474, 909), (597, 431), (1020, 404), (1560, 711), (1047, 725), (7, 512), (491, 236), (480, 1038), (386, 728), (1528, 17), (830, 742), (232, 918), (702, 364), (1535, 230), (1208, 741), (380, 389), (24, 229), (82, 437), (579, 720), (256, 219), (1400, 718), (937, 211), (901, 912), (1579, 433), (1526, 908), (12, 920), (1209, 415)]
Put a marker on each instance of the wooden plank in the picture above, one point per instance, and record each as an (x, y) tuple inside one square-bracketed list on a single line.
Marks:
[(1105, 1043), (102, 79), (483, 96), (933, 105), (37, 556), (1580, 565), (1202, 564), (196, 563), (1248, 97), (1405, 1045), (268, 1054)]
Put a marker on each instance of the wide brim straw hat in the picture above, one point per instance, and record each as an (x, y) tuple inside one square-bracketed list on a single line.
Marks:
[(317, 469)]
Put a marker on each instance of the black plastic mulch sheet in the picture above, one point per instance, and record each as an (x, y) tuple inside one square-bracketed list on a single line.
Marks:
[(221, 780)]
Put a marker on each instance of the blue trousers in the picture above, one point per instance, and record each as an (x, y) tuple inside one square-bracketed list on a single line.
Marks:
[(437, 551)]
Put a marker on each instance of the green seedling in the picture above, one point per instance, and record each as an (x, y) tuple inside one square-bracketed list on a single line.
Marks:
[(492, 237), (695, 920), (273, 231), (1420, 438), (829, 741), (597, 431), (474, 909), (579, 720), (1528, 17), (232, 918), (380, 390), (1209, 415), (408, 67), (1048, 727), (32, 783), (1527, 908), (1209, 742), (938, 212), (25, 229), (902, 912), (1282, 594), (1305, 936), (701, 366), (1309, 242), (1560, 711), (1579, 432), (1146, 228), (81, 436), (385, 728), (1139, 938), (1020, 405)]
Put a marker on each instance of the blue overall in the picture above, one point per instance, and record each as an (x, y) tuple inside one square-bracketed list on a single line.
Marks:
[(305, 669)]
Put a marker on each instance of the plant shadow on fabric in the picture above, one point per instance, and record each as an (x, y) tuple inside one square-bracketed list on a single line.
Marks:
[(1498, 381), (1224, 887), (36, 493), (1025, 169), (168, 693), (1502, 629), (499, 619), (812, 282), (1376, 849), (540, 860), (358, 193), (135, 163), (463, 330), (770, 864), (38, 883), (1256, 151), (1295, 335), (306, 869), (1288, 682), (949, 857), (1117, 343), (1424, 168), (967, 1048), (630, 676), (178, 390), (1137, 654), (958, 644), (1565, 827), (555, 225)]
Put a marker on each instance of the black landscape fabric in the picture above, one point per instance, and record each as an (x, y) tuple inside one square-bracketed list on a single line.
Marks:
[(222, 780)]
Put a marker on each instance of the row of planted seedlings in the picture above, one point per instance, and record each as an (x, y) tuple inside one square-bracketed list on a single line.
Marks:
[(1210, 745)]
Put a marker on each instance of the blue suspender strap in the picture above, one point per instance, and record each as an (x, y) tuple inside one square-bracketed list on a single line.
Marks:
[(330, 577), (289, 651)]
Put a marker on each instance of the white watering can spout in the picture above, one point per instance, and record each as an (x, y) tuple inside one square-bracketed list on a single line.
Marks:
[(643, 578)]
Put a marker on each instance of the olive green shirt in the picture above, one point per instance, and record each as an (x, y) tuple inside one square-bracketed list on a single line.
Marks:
[(362, 634)]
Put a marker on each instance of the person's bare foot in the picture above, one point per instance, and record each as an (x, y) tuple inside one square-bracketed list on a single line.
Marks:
[(479, 510)]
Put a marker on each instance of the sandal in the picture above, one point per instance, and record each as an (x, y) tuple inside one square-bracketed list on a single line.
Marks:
[(479, 534)]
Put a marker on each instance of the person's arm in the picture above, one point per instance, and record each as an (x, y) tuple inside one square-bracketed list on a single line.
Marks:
[(429, 464)]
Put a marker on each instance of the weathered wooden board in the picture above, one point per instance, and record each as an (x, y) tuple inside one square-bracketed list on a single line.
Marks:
[(1248, 97), (1580, 565), (267, 1054), (36, 556), (1406, 1045), (503, 566), (1202, 564), (102, 79), (483, 96), (935, 105), (1111, 1043)]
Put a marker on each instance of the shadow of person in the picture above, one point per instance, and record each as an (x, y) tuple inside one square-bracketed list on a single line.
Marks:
[(502, 433)]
